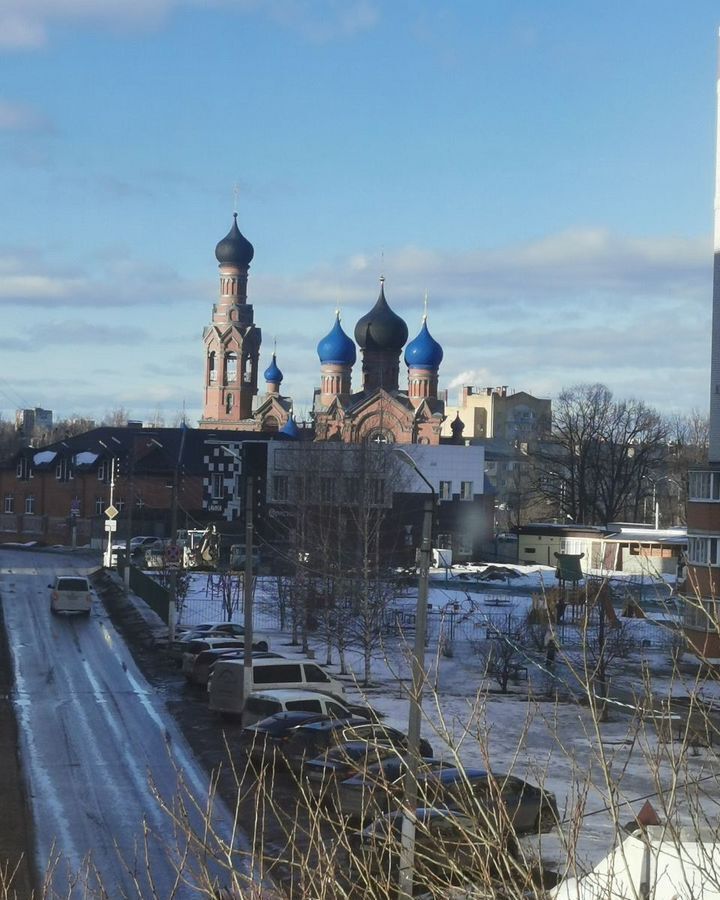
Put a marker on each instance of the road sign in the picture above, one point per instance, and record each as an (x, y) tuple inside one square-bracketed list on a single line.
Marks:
[(110, 525), (172, 555), (111, 512), (74, 507)]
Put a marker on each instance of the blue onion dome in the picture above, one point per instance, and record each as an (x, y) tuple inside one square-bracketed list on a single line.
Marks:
[(424, 352), (272, 374), (290, 428), (336, 347), (381, 328), (234, 249)]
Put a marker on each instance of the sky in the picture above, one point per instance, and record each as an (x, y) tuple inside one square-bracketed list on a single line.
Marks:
[(543, 170)]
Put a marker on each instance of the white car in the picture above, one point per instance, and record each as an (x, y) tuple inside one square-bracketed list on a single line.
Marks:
[(70, 593), (138, 544)]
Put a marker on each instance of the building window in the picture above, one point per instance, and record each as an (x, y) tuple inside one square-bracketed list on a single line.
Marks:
[(9, 504), (64, 470), (230, 368), (99, 506), (446, 490), (280, 488), (703, 551), (376, 488), (101, 472), (24, 469), (119, 504), (212, 371), (229, 400), (218, 487), (466, 490), (444, 541), (704, 486), (30, 505)]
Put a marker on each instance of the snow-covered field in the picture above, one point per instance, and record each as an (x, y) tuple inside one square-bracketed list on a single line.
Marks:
[(601, 773)]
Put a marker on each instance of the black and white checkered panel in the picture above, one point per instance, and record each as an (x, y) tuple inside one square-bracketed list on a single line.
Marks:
[(221, 484)]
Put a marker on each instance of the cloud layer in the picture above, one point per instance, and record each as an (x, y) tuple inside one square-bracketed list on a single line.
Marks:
[(576, 306), (27, 24)]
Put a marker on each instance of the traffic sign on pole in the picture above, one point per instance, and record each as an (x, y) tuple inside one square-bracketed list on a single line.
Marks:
[(111, 512), (110, 525)]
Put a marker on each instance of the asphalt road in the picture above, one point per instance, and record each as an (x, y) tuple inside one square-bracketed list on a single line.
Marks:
[(101, 755)]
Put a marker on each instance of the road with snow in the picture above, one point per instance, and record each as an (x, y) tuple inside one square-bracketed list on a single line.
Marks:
[(101, 756)]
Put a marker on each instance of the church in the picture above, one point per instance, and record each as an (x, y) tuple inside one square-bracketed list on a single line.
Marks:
[(379, 411)]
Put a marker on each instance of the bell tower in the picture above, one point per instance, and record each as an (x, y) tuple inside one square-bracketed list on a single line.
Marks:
[(232, 342)]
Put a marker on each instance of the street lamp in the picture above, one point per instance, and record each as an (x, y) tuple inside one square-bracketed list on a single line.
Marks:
[(407, 837), (656, 505)]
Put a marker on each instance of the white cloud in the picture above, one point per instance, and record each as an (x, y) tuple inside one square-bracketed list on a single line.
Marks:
[(633, 313), (20, 117), (25, 24)]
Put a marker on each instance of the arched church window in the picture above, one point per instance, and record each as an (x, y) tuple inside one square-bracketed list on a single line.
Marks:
[(270, 423), (380, 436), (212, 372), (247, 370), (230, 367), (229, 400)]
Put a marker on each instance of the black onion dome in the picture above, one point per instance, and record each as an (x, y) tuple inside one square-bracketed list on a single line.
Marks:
[(381, 328), (234, 249)]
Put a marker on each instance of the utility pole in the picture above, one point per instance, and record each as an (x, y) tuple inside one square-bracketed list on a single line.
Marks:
[(407, 836), (108, 552), (248, 589), (131, 503), (410, 800)]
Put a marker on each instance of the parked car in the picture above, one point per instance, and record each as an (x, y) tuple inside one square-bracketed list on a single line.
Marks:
[(380, 787), (313, 739), (496, 800), (70, 593), (309, 741), (526, 807), (261, 642), (226, 689), (199, 645), (324, 773), (261, 704), (450, 847), (268, 738), (138, 544), (201, 669)]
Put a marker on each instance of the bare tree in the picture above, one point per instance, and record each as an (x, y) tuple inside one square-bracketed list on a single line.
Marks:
[(601, 449)]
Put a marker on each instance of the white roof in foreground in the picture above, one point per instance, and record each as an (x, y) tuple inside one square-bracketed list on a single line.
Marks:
[(657, 863)]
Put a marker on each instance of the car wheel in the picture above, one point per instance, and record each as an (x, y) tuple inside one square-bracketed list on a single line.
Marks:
[(53, 610), (262, 646)]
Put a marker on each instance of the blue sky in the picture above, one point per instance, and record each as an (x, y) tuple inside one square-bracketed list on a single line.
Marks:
[(545, 171)]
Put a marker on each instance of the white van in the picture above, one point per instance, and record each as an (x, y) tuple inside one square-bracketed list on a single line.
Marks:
[(261, 704), (70, 593), (225, 689)]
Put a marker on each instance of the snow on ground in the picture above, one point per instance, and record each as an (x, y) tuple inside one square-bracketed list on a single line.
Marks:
[(551, 742)]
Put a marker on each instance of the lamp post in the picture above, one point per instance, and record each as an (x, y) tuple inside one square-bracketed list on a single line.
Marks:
[(172, 612), (407, 837), (656, 505)]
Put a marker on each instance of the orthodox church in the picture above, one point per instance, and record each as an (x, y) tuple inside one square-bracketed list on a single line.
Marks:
[(379, 411)]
